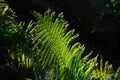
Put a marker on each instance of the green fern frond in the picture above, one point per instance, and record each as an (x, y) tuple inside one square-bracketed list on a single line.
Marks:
[(53, 46), (105, 72), (117, 74)]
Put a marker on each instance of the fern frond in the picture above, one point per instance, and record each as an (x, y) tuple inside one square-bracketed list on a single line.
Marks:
[(53, 46), (117, 74), (105, 72)]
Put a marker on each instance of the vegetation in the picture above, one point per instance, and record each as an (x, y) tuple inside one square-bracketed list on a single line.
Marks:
[(45, 50)]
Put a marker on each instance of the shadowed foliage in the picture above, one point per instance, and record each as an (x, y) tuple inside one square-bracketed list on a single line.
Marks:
[(45, 50)]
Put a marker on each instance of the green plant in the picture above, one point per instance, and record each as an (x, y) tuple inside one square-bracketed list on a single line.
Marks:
[(105, 72), (54, 51), (50, 52), (13, 42), (45, 51)]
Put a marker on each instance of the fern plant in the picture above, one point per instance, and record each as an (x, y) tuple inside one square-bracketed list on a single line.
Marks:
[(53, 50), (55, 53), (13, 43), (46, 51), (105, 72)]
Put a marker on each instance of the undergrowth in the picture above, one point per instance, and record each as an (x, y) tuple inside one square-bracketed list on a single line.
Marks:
[(45, 51)]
